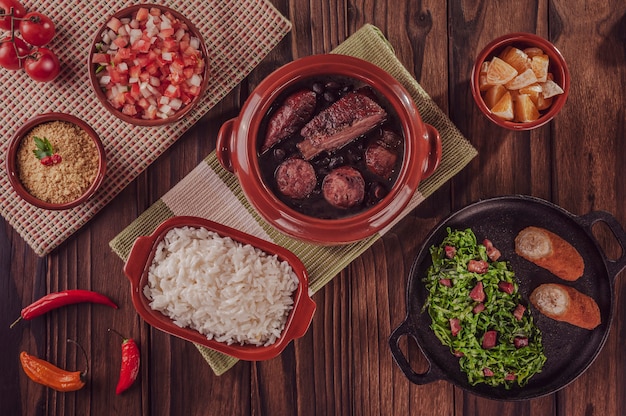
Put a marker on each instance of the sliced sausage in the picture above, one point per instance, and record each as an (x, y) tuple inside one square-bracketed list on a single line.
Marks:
[(344, 187), (295, 178), (381, 156)]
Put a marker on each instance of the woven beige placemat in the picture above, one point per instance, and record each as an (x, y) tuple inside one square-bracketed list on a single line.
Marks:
[(238, 34), (211, 192)]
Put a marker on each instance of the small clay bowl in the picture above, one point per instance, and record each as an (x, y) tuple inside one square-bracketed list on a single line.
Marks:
[(557, 67), (141, 257), (236, 150), (100, 92), (13, 171)]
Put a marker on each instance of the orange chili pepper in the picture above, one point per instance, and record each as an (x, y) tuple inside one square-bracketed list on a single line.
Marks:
[(49, 375)]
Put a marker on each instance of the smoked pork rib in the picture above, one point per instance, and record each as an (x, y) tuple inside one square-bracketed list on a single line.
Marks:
[(295, 111), (349, 117)]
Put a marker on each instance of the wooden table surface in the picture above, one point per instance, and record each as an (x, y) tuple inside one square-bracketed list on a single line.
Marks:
[(343, 364)]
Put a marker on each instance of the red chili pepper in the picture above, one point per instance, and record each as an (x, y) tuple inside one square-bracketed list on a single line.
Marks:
[(67, 297), (130, 364)]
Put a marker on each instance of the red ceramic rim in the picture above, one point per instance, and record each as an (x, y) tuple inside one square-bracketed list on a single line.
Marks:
[(558, 67), (141, 257), (304, 227), (11, 160), (127, 12)]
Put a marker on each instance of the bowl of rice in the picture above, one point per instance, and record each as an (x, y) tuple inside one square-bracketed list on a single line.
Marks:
[(220, 288)]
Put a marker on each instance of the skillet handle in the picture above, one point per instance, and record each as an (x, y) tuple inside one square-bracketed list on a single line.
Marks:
[(432, 374), (588, 220)]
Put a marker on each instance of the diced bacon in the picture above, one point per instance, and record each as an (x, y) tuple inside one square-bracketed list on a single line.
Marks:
[(446, 282), (478, 266), (492, 252), (520, 342), (506, 287), (518, 313), (489, 339), (450, 251), (455, 326), (479, 308), (478, 293)]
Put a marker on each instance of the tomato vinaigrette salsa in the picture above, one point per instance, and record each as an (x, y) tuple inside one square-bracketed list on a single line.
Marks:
[(150, 64)]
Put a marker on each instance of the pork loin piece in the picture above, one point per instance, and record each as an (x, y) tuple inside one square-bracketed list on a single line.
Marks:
[(295, 111), (351, 116), (381, 156), (344, 187), (295, 178)]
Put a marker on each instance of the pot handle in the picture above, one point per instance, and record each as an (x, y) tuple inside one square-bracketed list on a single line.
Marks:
[(588, 220), (222, 145), (434, 150), (136, 262), (432, 374)]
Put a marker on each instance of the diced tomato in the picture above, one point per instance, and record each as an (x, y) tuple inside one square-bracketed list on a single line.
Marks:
[(134, 91), (142, 14), (172, 91), (141, 45), (101, 58), (487, 372), (166, 33), (479, 308), (121, 41), (134, 71), (143, 103), (114, 24), (117, 77), (129, 110), (450, 251), (152, 57)]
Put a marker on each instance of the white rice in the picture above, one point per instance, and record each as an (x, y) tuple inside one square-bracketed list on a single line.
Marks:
[(228, 291)]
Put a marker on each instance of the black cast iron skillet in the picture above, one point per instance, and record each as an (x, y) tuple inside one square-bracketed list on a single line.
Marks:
[(569, 350)]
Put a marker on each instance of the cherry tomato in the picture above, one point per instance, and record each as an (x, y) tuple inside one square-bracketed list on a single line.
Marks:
[(5, 8), (37, 29), (9, 59), (42, 65)]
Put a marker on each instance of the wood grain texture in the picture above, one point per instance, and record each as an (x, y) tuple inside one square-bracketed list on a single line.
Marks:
[(343, 364)]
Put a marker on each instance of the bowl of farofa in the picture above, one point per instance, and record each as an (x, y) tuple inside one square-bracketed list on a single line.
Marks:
[(55, 161)]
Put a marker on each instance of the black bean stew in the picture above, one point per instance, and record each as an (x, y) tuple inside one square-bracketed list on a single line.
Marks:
[(330, 147)]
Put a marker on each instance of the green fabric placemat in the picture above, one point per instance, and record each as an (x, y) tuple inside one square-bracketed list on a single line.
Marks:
[(211, 192)]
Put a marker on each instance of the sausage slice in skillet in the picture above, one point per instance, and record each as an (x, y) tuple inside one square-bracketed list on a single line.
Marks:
[(295, 178), (344, 187)]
